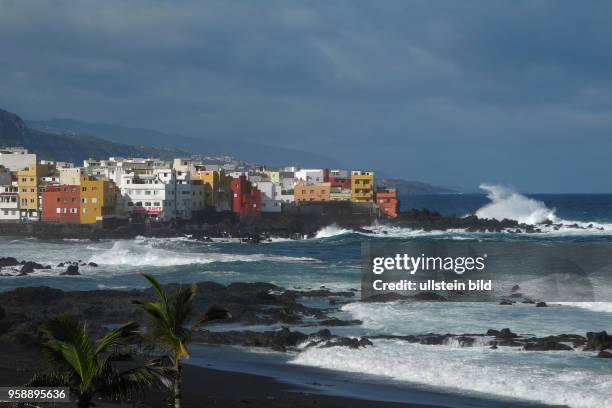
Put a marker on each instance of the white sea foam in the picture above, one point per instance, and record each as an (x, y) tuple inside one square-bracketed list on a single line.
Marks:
[(504, 372), (143, 253), (593, 306), (508, 204), (332, 231)]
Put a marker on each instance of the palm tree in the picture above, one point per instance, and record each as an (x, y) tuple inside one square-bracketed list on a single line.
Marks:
[(89, 368), (169, 326)]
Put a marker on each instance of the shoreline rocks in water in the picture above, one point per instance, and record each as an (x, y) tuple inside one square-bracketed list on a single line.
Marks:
[(24, 309), (297, 225)]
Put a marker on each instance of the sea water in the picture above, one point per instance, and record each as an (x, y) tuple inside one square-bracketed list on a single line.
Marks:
[(332, 259)]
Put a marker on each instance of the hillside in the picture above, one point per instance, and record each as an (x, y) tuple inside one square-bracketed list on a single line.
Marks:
[(415, 187), (242, 149), (74, 147)]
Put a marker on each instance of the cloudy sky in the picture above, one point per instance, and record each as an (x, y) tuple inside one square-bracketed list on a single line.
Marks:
[(452, 93)]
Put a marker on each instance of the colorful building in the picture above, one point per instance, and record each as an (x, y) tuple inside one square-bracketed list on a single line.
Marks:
[(28, 182), (312, 192), (98, 199), (340, 179), (246, 200), (362, 186), (216, 186), (61, 203), (387, 202), (340, 194)]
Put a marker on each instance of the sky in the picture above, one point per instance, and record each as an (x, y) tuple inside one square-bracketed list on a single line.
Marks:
[(453, 93)]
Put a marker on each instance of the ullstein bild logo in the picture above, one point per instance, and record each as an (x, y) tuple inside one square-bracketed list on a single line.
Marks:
[(413, 264)]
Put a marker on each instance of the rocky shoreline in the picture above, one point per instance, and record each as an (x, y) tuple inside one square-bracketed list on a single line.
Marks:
[(256, 229), (24, 309)]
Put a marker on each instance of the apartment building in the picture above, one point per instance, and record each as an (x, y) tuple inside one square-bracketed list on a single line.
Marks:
[(312, 176), (61, 203), (16, 158), (387, 202), (312, 192), (271, 201), (28, 182), (362, 186), (98, 199), (9, 197), (246, 200)]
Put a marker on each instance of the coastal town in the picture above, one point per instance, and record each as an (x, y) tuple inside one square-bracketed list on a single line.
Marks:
[(117, 188)]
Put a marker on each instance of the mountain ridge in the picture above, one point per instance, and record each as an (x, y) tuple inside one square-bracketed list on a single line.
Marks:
[(69, 147)]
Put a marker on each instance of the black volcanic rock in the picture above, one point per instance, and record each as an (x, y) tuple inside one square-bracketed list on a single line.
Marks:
[(72, 270), (29, 267), (597, 341)]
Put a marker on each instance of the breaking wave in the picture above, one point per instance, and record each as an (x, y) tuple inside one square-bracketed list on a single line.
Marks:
[(332, 231), (504, 373), (506, 203), (141, 253)]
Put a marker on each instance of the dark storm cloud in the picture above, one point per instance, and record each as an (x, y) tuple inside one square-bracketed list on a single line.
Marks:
[(447, 92)]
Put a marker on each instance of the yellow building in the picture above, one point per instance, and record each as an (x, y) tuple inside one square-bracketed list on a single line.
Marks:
[(216, 187), (274, 176), (28, 182), (98, 199), (362, 186)]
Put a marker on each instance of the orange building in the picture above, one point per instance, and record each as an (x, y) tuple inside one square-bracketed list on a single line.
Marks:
[(61, 203), (312, 192), (387, 202)]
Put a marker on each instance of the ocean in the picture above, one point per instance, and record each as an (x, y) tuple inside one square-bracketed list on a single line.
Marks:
[(332, 259)]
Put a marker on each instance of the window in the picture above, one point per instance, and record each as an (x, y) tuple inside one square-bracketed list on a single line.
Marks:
[(147, 204), (94, 188), (156, 204), (94, 200), (147, 192), (58, 210), (84, 200), (73, 211), (84, 210)]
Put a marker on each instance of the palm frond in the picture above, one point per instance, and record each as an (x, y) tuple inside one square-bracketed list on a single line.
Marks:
[(52, 379), (133, 383), (155, 283), (214, 313), (183, 305), (119, 336)]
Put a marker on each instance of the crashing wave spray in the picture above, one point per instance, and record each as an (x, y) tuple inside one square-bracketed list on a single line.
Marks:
[(506, 203)]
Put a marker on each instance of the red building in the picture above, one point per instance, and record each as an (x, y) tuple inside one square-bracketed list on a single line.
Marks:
[(341, 182), (61, 203), (387, 202), (246, 200)]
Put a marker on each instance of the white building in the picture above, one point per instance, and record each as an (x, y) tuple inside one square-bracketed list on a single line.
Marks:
[(310, 176), (16, 158), (70, 176), (270, 196), (159, 195), (9, 202)]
